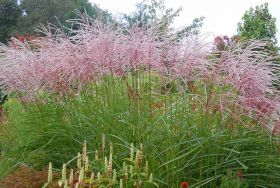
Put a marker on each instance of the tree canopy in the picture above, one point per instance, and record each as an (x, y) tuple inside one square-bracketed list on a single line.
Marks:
[(258, 23), (35, 12), (156, 12), (19, 17), (9, 13)]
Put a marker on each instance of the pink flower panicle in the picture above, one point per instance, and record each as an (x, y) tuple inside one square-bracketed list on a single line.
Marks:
[(58, 61)]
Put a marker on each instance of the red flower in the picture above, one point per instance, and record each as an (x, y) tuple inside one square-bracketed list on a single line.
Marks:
[(184, 184)]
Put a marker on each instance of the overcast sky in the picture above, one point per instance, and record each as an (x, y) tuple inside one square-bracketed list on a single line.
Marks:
[(221, 16)]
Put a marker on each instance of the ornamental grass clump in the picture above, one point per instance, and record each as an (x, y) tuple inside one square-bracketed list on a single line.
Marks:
[(250, 72), (100, 172), (197, 115), (62, 64), (62, 61)]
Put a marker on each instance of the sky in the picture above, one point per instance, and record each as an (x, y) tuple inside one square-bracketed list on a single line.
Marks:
[(221, 16)]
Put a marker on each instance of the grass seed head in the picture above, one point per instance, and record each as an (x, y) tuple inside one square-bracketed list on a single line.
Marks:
[(63, 173), (91, 178), (114, 176), (79, 161), (50, 173), (87, 164), (96, 155), (131, 152), (71, 176), (121, 183), (81, 175), (84, 151)]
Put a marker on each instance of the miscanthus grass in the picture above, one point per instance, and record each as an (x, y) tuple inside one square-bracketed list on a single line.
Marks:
[(63, 64), (199, 117), (183, 140)]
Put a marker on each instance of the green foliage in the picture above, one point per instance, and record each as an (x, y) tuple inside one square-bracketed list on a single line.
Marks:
[(149, 14), (43, 12), (182, 140), (23, 17), (92, 10), (258, 23), (9, 13), (232, 181)]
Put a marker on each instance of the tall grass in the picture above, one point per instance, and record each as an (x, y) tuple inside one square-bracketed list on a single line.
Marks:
[(201, 119), (183, 140), (57, 63)]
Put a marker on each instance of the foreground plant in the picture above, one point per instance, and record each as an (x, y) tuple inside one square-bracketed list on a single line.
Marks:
[(90, 173), (63, 65), (182, 141)]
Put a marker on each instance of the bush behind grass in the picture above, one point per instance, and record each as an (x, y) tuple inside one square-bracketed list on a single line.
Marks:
[(182, 140)]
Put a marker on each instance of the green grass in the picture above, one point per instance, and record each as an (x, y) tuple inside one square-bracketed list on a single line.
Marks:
[(182, 140)]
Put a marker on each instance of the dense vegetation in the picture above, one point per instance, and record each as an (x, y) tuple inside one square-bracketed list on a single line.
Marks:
[(147, 93)]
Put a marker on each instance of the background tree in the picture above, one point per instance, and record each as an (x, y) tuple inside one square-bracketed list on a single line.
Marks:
[(165, 17), (258, 23), (155, 12), (93, 10), (35, 12), (141, 16), (9, 13)]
